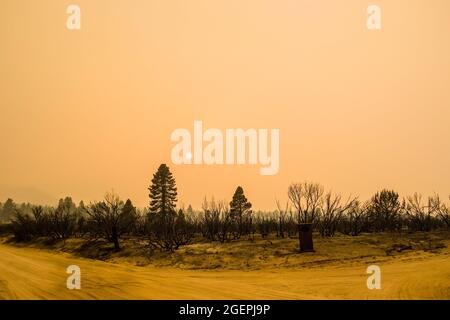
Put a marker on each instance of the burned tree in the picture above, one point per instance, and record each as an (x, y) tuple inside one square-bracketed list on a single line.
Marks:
[(442, 210), (282, 218), (306, 198), (385, 211), (332, 212), (217, 220), (63, 219), (111, 218), (355, 220), (22, 226), (241, 213), (211, 219), (420, 214)]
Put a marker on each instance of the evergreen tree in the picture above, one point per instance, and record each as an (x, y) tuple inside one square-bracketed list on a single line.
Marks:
[(163, 192), (128, 208), (190, 211), (240, 205), (63, 219), (240, 211), (167, 229), (81, 209), (129, 217), (8, 211)]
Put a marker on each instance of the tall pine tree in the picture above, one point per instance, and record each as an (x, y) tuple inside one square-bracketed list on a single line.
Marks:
[(240, 210), (239, 206), (163, 192)]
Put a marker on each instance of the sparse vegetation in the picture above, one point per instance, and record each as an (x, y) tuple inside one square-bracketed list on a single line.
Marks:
[(111, 218), (163, 227)]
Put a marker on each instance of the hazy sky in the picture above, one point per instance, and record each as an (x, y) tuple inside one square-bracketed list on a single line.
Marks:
[(86, 111)]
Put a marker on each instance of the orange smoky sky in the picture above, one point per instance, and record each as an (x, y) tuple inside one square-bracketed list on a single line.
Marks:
[(86, 111)]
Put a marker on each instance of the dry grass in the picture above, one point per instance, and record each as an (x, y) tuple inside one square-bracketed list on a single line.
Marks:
[(256, 254), (413, 266)]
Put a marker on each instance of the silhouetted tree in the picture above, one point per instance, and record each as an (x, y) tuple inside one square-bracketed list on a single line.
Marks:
[(385, 211), (43, 225), (356, 219), (167, 229), (189, 211), (282, 218), (332, 212), (217, 220), (420, 214), (240, 210), (443, 211), (63, 219), (112, 218), (211, 219), (306, 197), (8, 211), (163, 192), (23, 226), (183, 229), (129, 217)]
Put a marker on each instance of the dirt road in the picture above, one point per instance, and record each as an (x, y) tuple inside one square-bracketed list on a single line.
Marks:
[(36, 274)]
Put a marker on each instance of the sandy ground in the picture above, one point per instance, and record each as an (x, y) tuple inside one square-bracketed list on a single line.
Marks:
[(27, 273)]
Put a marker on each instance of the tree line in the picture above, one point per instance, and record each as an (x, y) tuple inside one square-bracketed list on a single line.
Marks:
[(166, 227)]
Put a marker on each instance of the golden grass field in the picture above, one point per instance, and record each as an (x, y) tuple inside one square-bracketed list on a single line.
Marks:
[(413, 266)]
